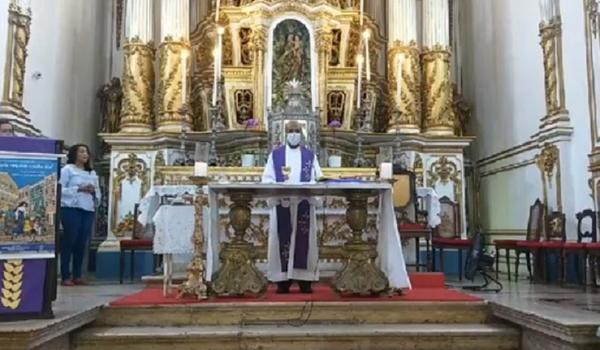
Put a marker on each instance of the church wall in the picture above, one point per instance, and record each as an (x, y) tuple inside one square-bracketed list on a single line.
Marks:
[(67, 48), (576, 193), (503, 80)]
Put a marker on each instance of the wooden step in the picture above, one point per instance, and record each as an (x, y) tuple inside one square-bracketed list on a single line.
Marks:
[(310, 312), (302, 337)]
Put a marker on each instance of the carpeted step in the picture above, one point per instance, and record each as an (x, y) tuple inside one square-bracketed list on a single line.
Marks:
[(303, 337)]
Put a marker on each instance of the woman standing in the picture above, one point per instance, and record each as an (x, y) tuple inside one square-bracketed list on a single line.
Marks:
[(80, 194)]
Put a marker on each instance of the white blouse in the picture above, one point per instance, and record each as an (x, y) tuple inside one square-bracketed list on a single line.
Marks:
[(71, 179)]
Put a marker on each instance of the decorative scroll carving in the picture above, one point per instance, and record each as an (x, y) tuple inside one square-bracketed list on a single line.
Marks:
[(170, 112), (445, 170), (244, 103), (138, 86), (19, 20), (353, 44), (336, 102), (111, 98), (462, 111), (336, 47), (246, 54), (419, 170), (439, 115), (119, 22), (547, 161), (551, 43), (410, 84), (227, 47), (128, 169)]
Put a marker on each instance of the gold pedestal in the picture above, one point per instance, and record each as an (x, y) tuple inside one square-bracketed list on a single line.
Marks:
[(439, 115), (195, 283), (359, 274), (238, 275)]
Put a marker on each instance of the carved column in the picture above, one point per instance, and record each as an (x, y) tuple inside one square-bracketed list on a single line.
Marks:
[(17, 39), (551, 42), (138, 71), (324, 38), (377, 10), (175, 46), (259, 45), (439, 115), (404, 76)]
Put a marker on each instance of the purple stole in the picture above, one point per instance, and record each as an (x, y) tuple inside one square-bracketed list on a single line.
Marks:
[(284, 222)]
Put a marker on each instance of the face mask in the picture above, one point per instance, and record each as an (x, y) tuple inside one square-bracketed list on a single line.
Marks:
[(294, 139)]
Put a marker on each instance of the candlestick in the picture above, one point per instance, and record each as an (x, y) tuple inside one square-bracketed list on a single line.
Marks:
[(367, 36), (217, 11), (399, 78), (359, 61)]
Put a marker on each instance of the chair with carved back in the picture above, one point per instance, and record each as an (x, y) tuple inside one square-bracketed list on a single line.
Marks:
[(586, 236), (593, 251), (534, 233), (407, 209), (448, 234), (136, 243), (554, 244)]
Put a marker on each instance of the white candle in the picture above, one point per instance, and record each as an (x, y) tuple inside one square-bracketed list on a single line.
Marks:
[(386, 171), (201, 169), (215, 77), (399, 78), (367, 36), (359, 60), (217, 11), (362, 11), (184, 56)]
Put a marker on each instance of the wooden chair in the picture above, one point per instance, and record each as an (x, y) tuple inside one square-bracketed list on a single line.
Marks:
[(555, 240), (580, 248), (132, 245), (447, 234), (534, 232), (593, 254), (407, 210)]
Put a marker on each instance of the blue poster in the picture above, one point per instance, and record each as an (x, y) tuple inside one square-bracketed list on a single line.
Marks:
[(28, 195)]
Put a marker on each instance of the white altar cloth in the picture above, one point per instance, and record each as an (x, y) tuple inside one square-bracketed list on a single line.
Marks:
[(389, 248), (151, 202), (174, 229), (432, 205)]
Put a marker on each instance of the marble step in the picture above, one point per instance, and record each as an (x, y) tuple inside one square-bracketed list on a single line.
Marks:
[(302, 337), (316, 312)]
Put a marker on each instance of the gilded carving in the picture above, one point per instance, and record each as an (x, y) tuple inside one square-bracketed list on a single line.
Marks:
[(445, 170), (111, 97), (419, 170), (12, 284), (244, 105), (227, 48), (171, 115), (159, 161), (462, 111), (336, 102), (138, 86), (128, 169), (336, 47), (353, 44), (410, 100), (551, 42), (19, 21), (439, 115), (547, 161), (246, 54)]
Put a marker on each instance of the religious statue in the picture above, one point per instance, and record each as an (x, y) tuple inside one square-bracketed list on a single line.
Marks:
[(293, 252), (462, 112), (111, 98)]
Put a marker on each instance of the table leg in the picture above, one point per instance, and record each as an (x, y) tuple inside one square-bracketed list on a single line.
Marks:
[(238, 275), (417, 254), (359, 274)]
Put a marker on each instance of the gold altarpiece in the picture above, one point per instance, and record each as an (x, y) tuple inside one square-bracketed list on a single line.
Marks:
[(135, 161)]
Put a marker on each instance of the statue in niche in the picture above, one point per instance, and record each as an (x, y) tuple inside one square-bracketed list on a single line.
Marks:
[(243, 106), (246, 47), (334, 59), (111, 98), (291, 59), (462, 112)]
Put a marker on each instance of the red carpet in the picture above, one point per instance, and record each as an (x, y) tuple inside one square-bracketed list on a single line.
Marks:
[(426, 287)]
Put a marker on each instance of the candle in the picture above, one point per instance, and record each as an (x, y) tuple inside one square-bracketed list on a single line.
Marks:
[(399, 78), (217, 11), (367, 36), (359, 60), (184, 56), (215, 77), (386, 171), (201, 169), (362, 11)]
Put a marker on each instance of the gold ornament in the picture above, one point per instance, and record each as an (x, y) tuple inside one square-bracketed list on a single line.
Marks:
[(138, 87), (439, 115), (12, 284)]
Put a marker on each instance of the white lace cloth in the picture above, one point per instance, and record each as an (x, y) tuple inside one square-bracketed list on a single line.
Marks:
[(151, 202), (174, 229), (432, 205)]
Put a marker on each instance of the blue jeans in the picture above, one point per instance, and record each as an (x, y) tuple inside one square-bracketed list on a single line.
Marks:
[(77, 228)]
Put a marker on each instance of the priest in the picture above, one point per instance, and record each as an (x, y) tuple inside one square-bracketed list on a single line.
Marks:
[(293, 253)]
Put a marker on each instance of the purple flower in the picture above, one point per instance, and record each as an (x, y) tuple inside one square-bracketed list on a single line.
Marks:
[(334, 124), (251, 123)]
